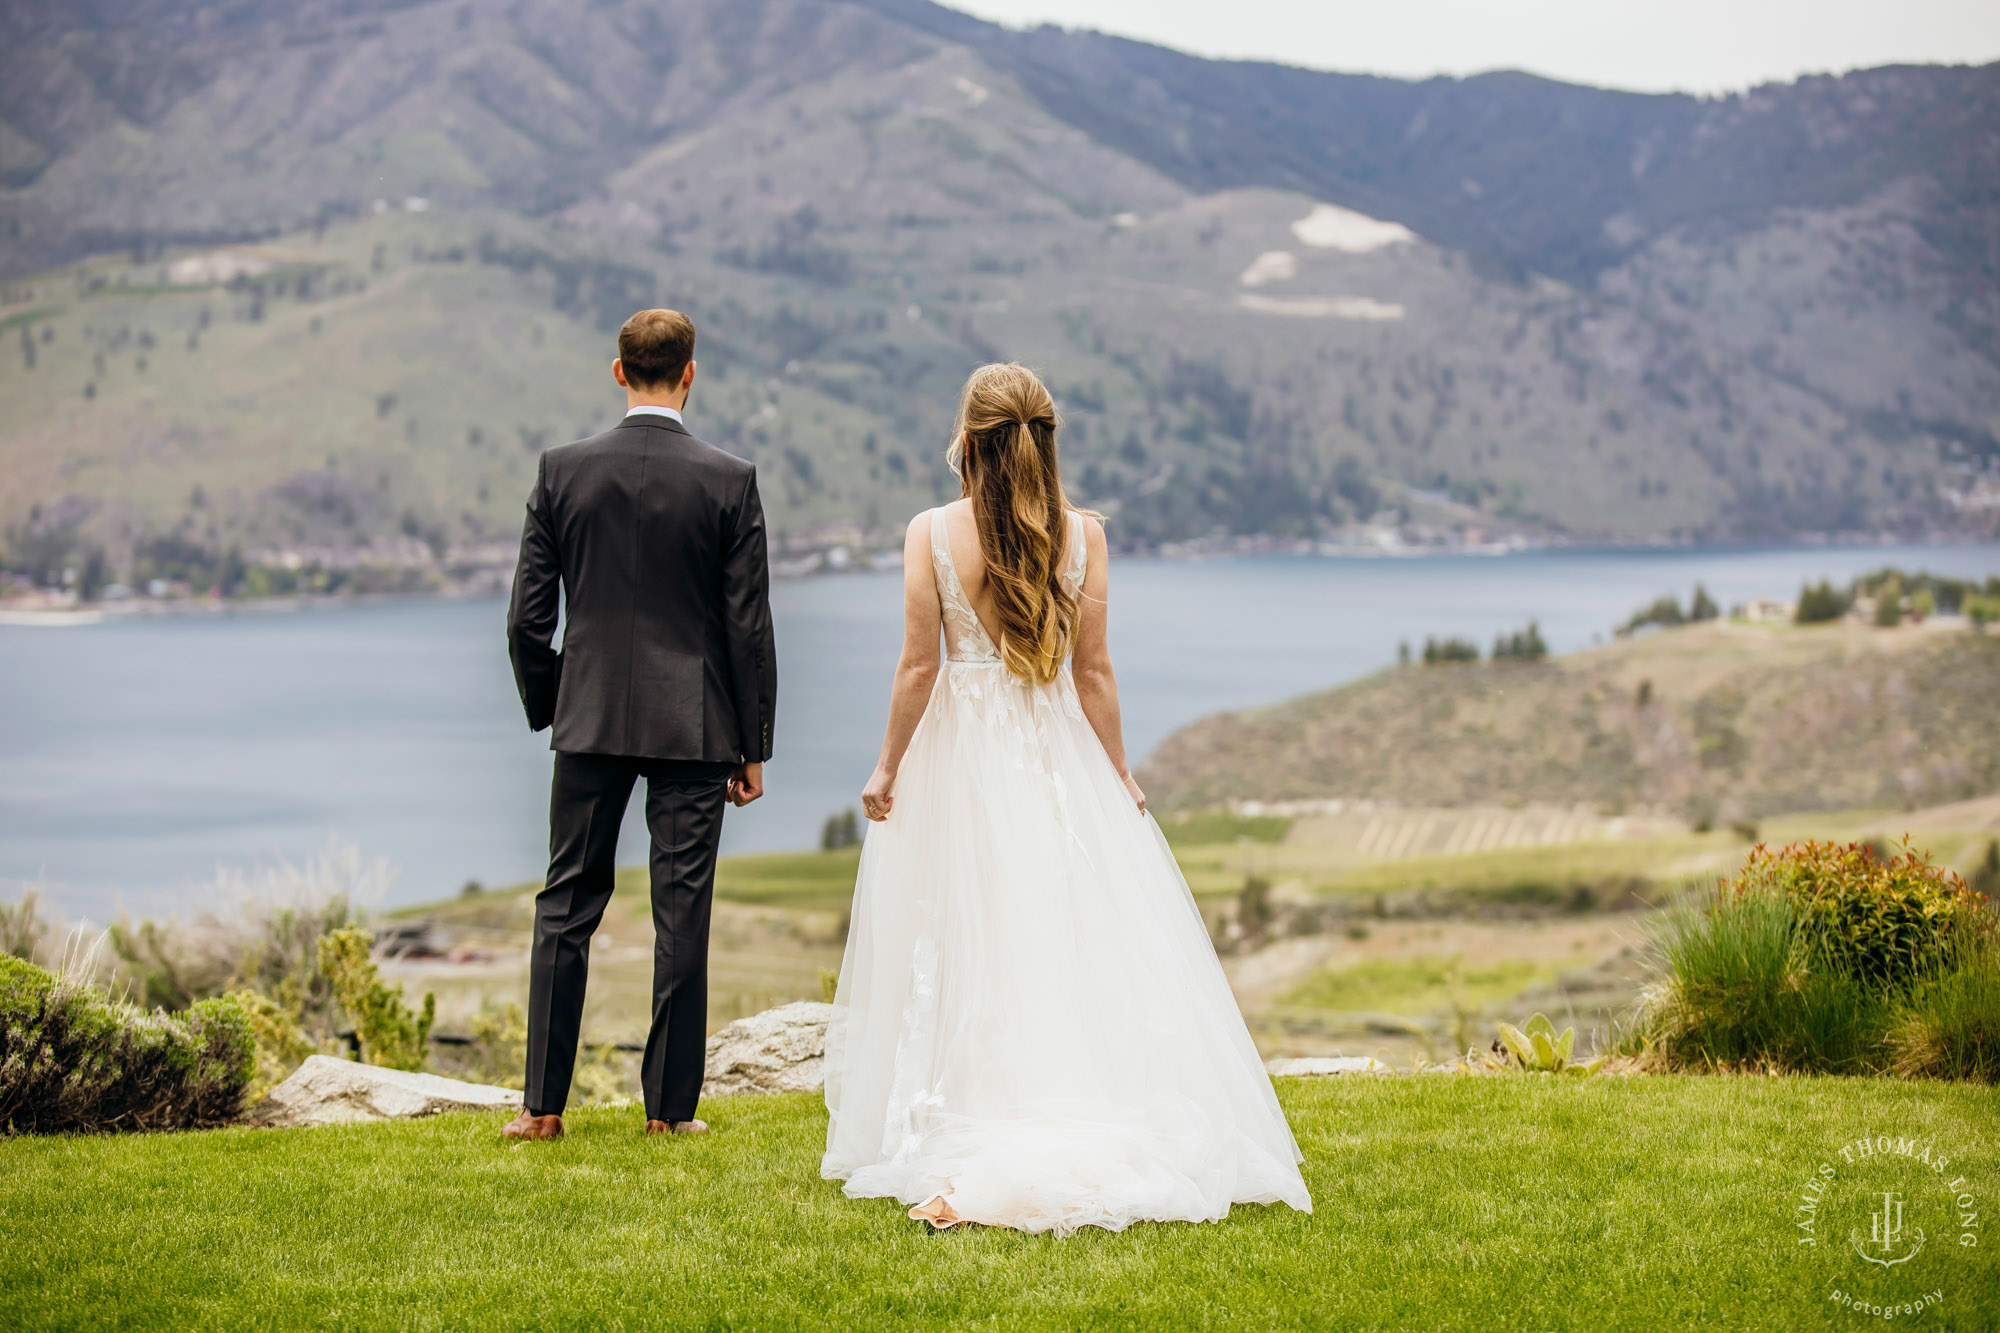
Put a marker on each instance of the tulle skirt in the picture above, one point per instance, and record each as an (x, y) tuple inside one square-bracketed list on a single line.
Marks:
[(1031, 1019)]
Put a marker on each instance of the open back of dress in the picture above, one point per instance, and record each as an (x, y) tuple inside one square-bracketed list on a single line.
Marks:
[(1031, 1020)]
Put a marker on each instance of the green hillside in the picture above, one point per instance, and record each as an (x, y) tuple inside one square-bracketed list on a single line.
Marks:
[(1711, 722), (319, 281)]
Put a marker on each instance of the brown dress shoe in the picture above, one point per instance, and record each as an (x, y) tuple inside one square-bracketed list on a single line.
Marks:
[(525, 1126), (678, 1127)]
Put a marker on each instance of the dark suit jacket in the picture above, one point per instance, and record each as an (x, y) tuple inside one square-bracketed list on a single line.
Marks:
[(656, 542)]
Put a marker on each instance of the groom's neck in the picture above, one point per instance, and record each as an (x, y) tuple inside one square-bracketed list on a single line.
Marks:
[(653, 398)]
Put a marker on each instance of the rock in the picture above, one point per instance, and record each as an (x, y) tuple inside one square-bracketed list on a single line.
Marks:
[(327, 1091), (779, 1050), (1321, 1066)]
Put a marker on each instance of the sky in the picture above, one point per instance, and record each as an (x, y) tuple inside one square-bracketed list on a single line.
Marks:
[(1697, 46)]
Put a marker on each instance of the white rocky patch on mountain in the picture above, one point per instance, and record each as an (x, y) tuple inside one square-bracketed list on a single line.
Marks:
[(1321, 307), (1271, 266), (1330, 227), (215, 267)]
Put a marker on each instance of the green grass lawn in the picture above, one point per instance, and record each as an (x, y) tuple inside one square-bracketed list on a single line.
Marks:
[(1441, 1203)]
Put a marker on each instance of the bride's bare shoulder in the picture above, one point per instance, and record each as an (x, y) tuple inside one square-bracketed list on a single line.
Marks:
[(1093, 528)]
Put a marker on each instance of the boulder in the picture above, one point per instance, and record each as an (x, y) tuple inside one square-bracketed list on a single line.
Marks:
[(779, 1050), (1319, 1066), (327, 1091)]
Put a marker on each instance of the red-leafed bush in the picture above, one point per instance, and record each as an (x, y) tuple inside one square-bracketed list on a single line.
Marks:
[(1828, 958), (1885, 920)]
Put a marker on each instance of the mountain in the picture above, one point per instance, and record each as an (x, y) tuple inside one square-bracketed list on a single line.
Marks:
[(320, 278), (1714, 722)]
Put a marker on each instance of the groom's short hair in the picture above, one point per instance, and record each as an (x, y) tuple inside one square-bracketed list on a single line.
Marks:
[(656, 346)]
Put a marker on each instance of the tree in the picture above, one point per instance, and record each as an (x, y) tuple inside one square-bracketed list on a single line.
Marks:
[(1523, 645), (1820, 603), (1703, 606), (1440, 651), (1889, 604), (840, 831), (1662, 611)]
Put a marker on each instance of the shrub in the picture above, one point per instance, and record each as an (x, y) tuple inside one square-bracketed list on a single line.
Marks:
[(70, 1059), (1887, 920), (263, 936), (154, 967), (390, 1034), (498, 1050), (280, 1045), (1950, 1025), (497, 1053), (1254, 912), (1986, 879), (22, 927), (1833, 958), (1737, 992)]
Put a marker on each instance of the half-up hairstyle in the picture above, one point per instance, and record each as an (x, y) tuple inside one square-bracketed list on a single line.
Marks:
[(1004, 452)]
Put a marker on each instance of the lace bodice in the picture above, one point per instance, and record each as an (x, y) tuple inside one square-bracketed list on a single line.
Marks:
[(965, 639)]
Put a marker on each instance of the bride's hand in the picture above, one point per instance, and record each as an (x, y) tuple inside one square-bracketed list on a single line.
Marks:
[(1132, 790), (875, 798)]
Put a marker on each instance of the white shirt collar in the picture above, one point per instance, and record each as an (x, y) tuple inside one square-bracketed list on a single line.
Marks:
[(648, 409)]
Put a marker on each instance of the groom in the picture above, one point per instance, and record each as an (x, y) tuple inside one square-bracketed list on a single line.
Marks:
[(667, 672)]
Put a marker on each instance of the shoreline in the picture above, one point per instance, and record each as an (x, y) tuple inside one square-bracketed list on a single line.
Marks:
[(76, 616), (98, 613)]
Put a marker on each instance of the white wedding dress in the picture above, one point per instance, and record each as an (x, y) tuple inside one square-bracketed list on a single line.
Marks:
[(1031, 1020)]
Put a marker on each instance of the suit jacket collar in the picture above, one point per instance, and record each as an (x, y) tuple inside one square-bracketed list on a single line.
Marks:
[(654, 420)]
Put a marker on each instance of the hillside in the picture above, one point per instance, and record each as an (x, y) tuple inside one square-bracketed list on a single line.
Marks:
[(1711, 722), (321, 279)]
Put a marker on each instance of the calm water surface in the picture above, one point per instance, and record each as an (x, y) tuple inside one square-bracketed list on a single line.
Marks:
[(138, 756)]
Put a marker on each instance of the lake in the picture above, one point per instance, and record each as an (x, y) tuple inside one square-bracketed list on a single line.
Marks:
[(138, 755)]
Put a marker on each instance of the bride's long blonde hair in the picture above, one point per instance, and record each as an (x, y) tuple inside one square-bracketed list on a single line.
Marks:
[(1004, 452)]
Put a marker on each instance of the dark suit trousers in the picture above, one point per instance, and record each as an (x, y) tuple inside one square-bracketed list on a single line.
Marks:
[(684, 802)]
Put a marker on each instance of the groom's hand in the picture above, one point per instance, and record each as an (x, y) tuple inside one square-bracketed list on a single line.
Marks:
[(746, 784)]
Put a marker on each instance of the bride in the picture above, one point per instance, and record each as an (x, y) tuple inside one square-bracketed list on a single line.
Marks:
[(1031, 1028)]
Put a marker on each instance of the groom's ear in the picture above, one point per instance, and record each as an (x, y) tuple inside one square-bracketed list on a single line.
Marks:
[(618, 372), (687, 376)]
